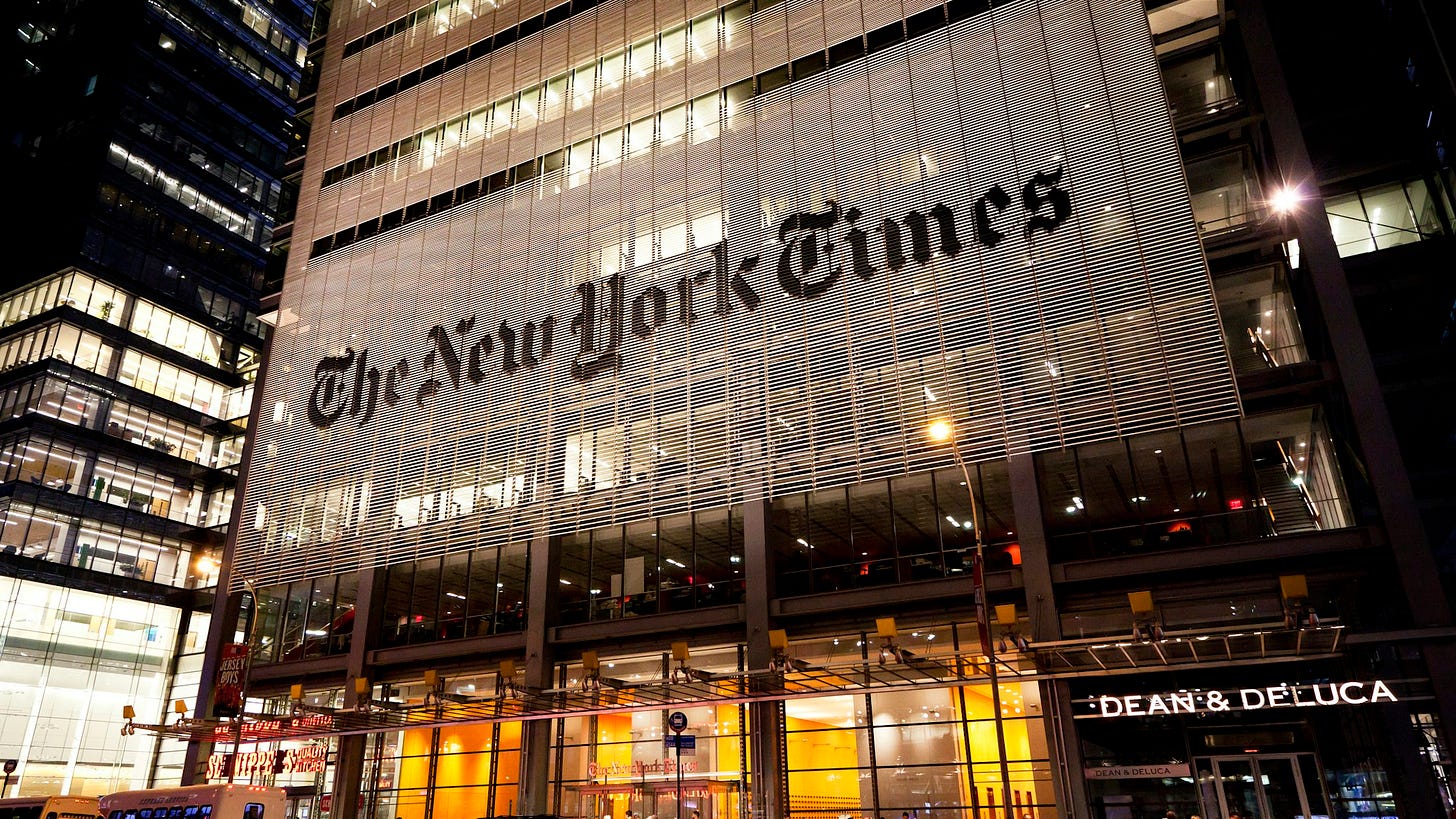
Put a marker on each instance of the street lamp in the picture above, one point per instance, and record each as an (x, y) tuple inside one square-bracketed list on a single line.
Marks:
[(247, 668), (941, 431)]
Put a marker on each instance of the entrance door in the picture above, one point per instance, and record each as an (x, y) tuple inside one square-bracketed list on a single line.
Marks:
[(1262, 786), (300, 807)]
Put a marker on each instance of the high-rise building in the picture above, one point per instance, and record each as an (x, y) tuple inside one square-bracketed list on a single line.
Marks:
[(144, 151), (797, 408)]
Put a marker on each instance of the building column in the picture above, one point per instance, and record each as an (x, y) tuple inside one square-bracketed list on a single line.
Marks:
[(1062, 732), (349, 759), (542, 584), (227, 604), (226, 609), (767, 790), (348, 776), (1046, 625), (1414, 559), (1036, 567)]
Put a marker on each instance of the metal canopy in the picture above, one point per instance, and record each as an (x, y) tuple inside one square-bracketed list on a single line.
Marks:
[(607, 695), (1099, 655), (798, 679)]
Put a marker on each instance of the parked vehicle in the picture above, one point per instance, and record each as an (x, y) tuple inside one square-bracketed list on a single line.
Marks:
[(49, 807), (234, 801)]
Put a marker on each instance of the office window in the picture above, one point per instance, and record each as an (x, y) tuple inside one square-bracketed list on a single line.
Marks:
[(1386, 216)]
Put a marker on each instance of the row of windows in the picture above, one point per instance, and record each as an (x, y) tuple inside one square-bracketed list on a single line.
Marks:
[(171, 330), (261, 189), (573, 90), (1207, 485), (310, 618), (91, 352), (443, 16), (249, 226), (149, 246), (78, 290), (65, 342), (675, 563), (916, 527), (110, 304), (76, 470), (226, 124), (479, 48), (221, 43), (165, 380), (127, 551), (73, 403), (609, 148), (1267, 476), (263, 25), (1387, 216)]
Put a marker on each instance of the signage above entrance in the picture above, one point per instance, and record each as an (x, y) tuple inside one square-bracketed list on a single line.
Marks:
[(1283, 695), (639, 769), (1138, 771)]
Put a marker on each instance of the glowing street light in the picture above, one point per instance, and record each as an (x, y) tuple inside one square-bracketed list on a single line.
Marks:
[(940, 431), (1285, 199)]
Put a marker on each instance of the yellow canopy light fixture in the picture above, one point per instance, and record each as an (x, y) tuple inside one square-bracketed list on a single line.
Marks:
[(1298, 613), (1293, 587), (885, 628), (886, 631), (1145, 624), (505, 684), (778, 641), (591, 671), (681, 672)]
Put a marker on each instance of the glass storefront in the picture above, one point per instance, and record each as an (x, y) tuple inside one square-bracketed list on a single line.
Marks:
[(917, 747), (1286, 742), (925, 752), (70, 660)]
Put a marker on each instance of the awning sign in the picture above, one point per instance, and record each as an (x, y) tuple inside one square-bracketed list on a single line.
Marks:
[(1302, 695), (1138, 771)]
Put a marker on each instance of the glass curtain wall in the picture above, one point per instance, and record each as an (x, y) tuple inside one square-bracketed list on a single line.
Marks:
[(60, 718), (916, 527), (1206, 485), (674, 563), (465, 770)]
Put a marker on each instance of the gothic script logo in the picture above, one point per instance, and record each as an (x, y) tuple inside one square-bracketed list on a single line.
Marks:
[(818, 251)]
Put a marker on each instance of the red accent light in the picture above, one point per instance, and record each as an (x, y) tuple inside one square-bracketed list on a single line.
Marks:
[(1014, 550), (1179, 526), (1236, 504)]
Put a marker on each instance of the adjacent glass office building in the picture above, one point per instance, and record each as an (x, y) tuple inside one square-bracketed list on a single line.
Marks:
[(143, 154), (594, 469)]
